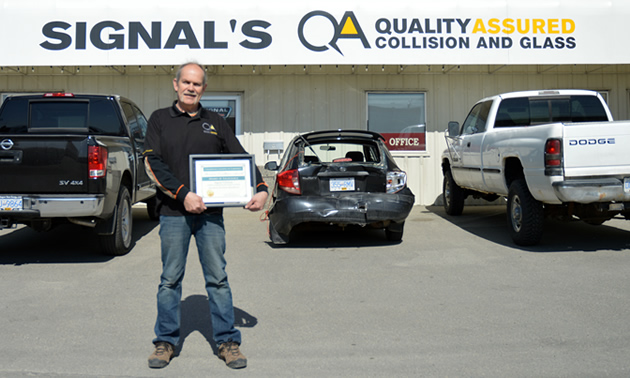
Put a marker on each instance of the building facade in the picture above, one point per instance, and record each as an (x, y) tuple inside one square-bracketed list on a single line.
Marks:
[(275, 72)]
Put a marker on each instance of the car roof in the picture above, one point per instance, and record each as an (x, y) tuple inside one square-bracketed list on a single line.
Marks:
[(323, 135)]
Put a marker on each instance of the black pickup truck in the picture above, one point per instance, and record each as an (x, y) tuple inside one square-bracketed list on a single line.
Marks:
[(76, 158)]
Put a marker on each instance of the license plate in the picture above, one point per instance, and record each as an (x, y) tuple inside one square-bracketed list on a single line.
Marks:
[(626, 185), (341, 185), (10, 203)]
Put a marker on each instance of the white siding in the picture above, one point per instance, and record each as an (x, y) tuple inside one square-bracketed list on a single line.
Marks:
[(280, 101)]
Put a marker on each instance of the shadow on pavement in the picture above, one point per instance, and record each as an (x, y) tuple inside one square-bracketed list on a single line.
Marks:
[(315, 235), (490, 223), (196, 317), (66, 243)]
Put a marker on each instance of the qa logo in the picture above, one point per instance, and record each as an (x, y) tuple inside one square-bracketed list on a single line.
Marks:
[(348, 28)]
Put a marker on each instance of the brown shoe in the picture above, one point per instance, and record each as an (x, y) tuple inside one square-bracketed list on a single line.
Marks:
[(231, 354), (161, 356)]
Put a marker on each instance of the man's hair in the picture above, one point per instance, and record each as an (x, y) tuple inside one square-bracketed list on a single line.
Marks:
[(181, 68)]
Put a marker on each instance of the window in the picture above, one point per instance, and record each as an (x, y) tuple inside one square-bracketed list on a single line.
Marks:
[(525, 111), (36, 113), (400, 118), (477, 118), (52, 115), (136, 132), (14, 117), (341, 152), (104, 117), (227, 106)]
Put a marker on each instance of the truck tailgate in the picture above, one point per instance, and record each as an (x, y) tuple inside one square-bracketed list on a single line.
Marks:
[(45, 164), (596, 149)]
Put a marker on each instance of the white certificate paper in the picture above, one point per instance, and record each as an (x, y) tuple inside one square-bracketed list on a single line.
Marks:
[(223, 180)]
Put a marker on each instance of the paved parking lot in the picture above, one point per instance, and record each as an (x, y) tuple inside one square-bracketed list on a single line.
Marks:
[(455, 299)]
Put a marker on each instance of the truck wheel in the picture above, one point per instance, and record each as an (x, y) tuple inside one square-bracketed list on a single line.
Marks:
[(525, 215), (394, 232), (453, 195), (119, 243)]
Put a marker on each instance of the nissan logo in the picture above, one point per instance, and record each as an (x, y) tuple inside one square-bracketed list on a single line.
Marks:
[(6, 144)]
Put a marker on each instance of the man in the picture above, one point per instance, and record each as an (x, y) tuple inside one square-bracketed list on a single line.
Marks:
[(173, 134)]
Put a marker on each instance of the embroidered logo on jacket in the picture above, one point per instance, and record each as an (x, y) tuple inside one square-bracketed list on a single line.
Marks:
[(209, 129)]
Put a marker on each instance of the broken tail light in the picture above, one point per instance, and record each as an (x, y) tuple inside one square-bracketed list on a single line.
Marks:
[(396, 181), (97, 161), (289, 181)]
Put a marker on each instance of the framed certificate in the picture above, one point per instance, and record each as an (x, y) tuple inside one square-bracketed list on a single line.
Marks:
[(223, 179)]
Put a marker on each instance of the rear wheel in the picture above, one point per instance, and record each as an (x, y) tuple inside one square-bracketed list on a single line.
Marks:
[(119, 243), (394, 232), (525, 214), (453, 195)]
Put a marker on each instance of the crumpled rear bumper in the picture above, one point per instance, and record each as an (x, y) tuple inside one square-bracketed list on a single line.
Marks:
[(345, 208)]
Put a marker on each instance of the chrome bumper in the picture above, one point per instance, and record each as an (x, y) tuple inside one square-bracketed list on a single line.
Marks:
[(53, 206), (589, 191)]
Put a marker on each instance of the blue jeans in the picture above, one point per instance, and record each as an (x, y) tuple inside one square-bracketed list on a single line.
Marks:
[(175, 234)]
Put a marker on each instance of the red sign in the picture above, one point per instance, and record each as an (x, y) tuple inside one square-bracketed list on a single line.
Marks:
[(405, 141)]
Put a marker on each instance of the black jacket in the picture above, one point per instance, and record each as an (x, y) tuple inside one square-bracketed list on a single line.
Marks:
[(171, 137)]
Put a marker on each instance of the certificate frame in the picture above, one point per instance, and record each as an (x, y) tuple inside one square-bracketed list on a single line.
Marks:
[(223, 180)]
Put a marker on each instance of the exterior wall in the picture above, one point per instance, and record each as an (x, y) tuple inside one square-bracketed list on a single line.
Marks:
[(280, 101)]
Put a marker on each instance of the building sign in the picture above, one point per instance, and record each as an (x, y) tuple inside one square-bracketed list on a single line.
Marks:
[(223, 111), (76, 32), (405, 141)]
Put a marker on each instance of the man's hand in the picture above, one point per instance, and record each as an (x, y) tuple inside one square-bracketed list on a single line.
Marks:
[(194, 204), (257, 202)]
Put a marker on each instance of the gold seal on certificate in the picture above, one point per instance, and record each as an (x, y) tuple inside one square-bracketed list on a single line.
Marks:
[(223, 179)]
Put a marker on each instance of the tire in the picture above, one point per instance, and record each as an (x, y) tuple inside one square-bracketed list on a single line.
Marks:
[(394, 232), (525, 215), (152, 209), (119, 243), (453, 195)]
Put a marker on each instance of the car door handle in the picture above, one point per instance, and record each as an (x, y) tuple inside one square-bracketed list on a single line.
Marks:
[(468, 144)]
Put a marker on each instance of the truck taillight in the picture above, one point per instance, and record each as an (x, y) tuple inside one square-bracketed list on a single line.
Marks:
[(97, 161), (289, 181), (553, 157)]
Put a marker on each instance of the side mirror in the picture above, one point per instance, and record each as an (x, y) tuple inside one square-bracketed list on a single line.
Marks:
[(271, 166), (453, 128)]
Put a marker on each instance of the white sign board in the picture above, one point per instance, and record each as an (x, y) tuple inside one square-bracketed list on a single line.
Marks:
[(158, 32)]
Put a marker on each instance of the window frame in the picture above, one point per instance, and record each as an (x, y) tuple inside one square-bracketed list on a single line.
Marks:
[(238, 106), (407, 136)]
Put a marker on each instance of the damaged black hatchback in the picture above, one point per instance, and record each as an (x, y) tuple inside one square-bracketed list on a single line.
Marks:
[(340, 177)]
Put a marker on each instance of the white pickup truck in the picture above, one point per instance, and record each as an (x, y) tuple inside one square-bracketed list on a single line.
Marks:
[(551, 153)]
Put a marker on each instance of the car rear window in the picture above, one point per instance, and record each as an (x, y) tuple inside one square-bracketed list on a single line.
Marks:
[(24, 115), (55, 115), (342, 152), (526, 111)]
